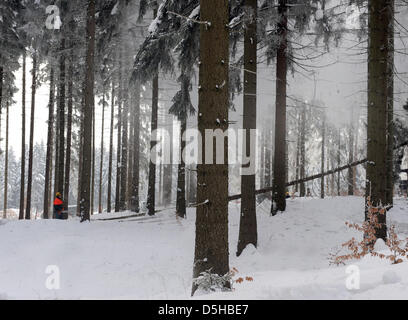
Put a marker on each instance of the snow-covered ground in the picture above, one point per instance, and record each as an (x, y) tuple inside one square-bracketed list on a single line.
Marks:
[(151, 257)]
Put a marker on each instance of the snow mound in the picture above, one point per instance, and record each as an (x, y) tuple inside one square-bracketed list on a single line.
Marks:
[(390, 277), (380, 246)]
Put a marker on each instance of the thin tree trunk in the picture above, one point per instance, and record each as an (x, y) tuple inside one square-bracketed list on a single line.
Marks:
[(168, 168), (67, 174), (151, 196), (23, 134), (279, 162), (181, 174), (302, 168), (48, 161), (124, 152), (248, 233), (338, 163), (93, 162), (134, 202), (211, 242), (118, 150), (6, 162), (30, 152), (81, 151), (109, 204), (61, 124), (350, 175), (322, 158), (88, 107), (102, 152)]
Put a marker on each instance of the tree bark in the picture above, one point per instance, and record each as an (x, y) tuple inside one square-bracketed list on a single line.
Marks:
[(23, 134), (248, 233), (88, 107), (302, 160), (67, 174), (279, 162), (109, 204), (61, 124), (390, 108), (30, 151), (151, 191), (323, 155), (350, 173), (102, 152), (48, 161), (134, 199), (211, 242), (6, 161), (181, 174), (376, 172)]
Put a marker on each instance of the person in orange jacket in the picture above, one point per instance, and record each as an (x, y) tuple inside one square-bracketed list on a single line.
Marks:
[(58, 206)]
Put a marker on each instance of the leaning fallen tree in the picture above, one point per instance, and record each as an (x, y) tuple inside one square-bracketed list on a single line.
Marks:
[(316, 176)]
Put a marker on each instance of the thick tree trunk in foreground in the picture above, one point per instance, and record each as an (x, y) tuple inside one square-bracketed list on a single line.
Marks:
[(211, 242), (390, 107), (88, 107), (279, 162), (23, 134), (31, 148), (248, 233), (376, 173)]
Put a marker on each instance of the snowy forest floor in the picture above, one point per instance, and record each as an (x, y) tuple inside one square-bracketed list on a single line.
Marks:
[(152, 257)]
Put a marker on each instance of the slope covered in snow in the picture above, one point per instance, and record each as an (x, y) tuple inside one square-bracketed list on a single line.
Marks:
[(151, 257)]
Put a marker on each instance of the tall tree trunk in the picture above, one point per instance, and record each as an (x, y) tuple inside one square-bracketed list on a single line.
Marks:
[(181, 174), (67, 174), (93, 161), (248, 233), (81, 152), (6, 161), (302, 169), (280, 165), (151, 191), (338, 163), (211, 242), (88, 107), (118, 151), (168, 168), (378, 27), (30, 151), (134, 198), (322, 158), (23, 134), (102, 152), (124, 152), (109, 203), (131, 143), (390, 107), (59, 179), (350, 178), (48, 161)]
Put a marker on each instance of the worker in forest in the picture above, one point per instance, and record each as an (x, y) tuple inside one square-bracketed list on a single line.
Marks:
[(58, 206)]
